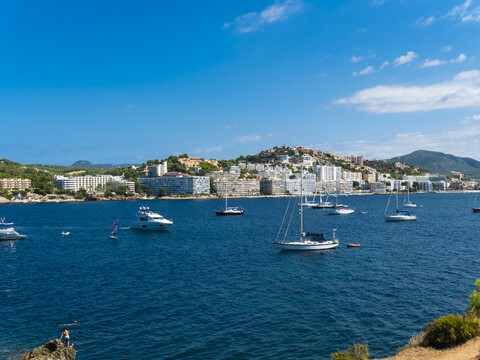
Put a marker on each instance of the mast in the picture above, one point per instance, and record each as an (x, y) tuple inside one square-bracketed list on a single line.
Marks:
[(226, 192), (301, 205)]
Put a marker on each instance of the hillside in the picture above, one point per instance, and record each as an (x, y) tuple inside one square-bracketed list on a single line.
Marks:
[(441, 163), (88, 164)]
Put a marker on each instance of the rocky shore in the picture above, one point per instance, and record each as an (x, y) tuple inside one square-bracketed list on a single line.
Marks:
[(51, 350)]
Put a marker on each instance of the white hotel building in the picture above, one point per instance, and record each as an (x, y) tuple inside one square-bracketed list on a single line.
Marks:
[(90, 183), (178, 185)]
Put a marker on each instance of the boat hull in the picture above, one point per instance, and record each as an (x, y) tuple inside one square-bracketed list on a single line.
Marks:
[(341, 211), (10, 234), (392, 218), (307, 246), (410, 205), (228, 213), (150, 226), (476, 210)]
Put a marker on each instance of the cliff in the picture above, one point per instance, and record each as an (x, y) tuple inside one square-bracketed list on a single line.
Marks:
[(51, 350)]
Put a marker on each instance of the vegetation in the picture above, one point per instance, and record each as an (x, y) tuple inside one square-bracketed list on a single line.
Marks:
[(450, 330), (162, 192), (474, 307), (359, 352), (206, 168)]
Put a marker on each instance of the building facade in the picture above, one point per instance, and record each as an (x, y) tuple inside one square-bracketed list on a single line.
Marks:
[(91, 184), (178, 185), (20, 184)]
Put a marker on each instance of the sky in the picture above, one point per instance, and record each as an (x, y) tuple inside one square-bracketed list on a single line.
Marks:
[(128, 81)]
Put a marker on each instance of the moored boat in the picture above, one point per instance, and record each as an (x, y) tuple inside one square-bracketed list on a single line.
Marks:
[(150, 220)]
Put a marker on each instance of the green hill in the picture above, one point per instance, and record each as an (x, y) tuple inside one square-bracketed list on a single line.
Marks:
[(441, 163)]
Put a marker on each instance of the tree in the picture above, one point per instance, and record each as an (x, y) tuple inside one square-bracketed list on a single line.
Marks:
[(121, 189), (162, 192), (212, 186), (206, 167), (416, 185), (356, 184)]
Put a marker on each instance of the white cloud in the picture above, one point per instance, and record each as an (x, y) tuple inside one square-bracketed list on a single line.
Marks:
[(368, 70), (464, 13), (460, 92), (430, 63), (247, 138), (459, 59), (405, 59), (474, 15), (281, 10), (356, 59), (208, 150), (464, 141), (460, 10), (385, 63), (446, 48), (425, 21)]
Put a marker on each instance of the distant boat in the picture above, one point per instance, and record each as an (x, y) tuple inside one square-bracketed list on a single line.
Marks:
[(307, 241), (324, 204), (115, 229), (353, 245), (65, 233), (475, 208), (399, 215), (150, 220), (406, 201), (10, 234), (229, 210), (340, 209), (309, 203), (3, 223)]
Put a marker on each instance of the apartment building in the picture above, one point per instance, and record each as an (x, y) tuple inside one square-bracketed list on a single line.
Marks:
[(237, 187), (20, 184), (91, 183), (179, 184)]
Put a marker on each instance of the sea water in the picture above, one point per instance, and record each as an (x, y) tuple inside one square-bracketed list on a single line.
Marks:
[(216, 287)]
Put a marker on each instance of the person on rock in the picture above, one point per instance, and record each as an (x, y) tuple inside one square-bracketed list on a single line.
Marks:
[(67, 337)]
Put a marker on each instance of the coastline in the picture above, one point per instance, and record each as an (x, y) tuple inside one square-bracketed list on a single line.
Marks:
[(52, 198)]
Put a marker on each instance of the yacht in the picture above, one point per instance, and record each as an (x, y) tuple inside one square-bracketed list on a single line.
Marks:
[(10, 234), (341, 210), (150, 220)]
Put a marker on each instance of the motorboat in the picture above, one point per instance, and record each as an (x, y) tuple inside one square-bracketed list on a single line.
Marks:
[(353, 244), (10, 234), (147, 219), (65, 233), (341, 210), (230, 210)]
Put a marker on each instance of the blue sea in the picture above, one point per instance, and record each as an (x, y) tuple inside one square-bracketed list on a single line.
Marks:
[(217, 288)]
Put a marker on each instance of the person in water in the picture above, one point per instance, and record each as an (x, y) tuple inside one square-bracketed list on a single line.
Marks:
[(67, 337)]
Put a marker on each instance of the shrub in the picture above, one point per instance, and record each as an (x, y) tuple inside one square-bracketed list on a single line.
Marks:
[(474, 307), (450, 330), (359, 352)]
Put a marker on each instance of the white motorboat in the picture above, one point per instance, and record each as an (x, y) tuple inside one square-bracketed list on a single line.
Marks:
[(150, 220), (307, 241), (341, 210), (10, 234)]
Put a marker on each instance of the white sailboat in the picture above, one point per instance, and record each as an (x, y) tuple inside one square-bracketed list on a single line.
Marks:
[(407, 202), (307, 241), (340, 209), (229, 210), (400, 215), (309, 203)]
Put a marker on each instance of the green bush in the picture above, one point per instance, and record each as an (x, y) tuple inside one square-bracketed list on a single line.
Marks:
[(450, 330), (359, 352), (474, 307)]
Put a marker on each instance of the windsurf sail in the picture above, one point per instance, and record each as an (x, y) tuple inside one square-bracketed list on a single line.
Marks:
[(115, 228)]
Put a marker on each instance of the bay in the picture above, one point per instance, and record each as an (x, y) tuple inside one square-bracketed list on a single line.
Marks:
[(216, 287)]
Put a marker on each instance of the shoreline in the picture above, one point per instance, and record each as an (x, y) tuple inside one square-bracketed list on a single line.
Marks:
[(52, 198)]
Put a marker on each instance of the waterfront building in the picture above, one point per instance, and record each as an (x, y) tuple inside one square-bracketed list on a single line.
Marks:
[(237, 187), (178, 184), (20, 184), (328, 173), (371, 177), (90, 183), (216, 175), (293, 186), (375, 187), (352, 176), (272, 186), (157, 170)]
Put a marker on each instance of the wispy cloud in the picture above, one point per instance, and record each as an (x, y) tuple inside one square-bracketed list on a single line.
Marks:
[(356, 59), (430, 63), (464, 140), (465, 13), (446, 48), (208, 150), (460, 92), (251, 138), (280, 10), (425, 21), (459, 59), (384, 64), (368, 70), (405, 59)]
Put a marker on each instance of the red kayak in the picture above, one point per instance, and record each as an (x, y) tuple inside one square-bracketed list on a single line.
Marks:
[(353, 245)]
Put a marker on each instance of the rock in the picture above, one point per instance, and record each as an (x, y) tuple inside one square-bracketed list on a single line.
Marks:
[(52, 350)]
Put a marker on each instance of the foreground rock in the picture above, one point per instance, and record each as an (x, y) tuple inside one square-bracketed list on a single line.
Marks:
[(52, 350)]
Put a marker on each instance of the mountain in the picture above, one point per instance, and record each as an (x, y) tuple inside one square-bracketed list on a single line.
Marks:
[(88, 164), (440, 162)]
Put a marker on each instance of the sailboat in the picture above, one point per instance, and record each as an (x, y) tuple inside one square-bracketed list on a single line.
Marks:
[(307, 241), (400, 215), (407, 202), (323, 204), (115, 229), (229, 210), (310, 203), (475, 208)]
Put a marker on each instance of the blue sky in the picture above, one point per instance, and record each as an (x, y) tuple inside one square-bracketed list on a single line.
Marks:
[(128, 81)]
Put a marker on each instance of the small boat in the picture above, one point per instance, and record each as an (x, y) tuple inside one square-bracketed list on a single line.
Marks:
[(324, 204), (65, 233), (475, 208), (407, 202), (150, 220), (115, 228), (3, 223), (341, 210), (353, 245), (10, 234), (229, 210), (399, 215)]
